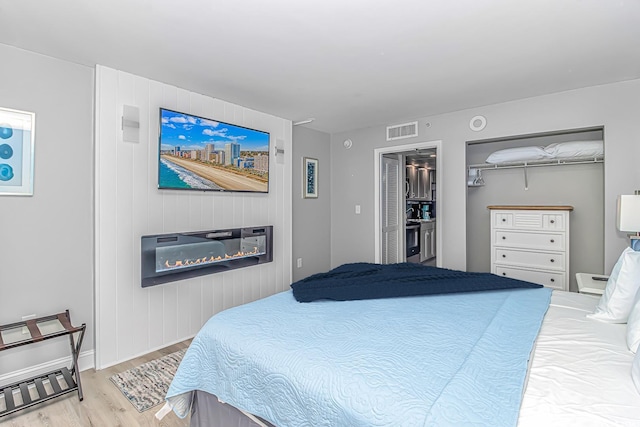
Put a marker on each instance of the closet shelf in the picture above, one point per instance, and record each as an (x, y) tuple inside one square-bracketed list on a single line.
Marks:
[(534, 163)]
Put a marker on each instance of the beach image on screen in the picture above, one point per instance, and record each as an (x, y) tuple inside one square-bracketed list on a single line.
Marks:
[(202, 154)]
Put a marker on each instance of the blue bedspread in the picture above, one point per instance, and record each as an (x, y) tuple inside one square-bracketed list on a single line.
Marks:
[(439, 360)]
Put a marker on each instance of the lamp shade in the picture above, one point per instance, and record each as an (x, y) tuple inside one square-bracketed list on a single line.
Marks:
[(628, 213)]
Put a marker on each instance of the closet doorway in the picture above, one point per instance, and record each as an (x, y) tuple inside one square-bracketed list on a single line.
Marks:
[(390, 199)]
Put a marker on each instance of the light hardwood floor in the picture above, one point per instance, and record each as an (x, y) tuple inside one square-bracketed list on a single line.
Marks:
[(103, 405)]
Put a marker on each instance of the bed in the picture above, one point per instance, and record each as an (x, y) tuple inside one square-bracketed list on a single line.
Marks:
[(506, 354)]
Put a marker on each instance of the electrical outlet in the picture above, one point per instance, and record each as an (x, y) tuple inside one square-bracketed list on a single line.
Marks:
[(25, 330), (299, 262)]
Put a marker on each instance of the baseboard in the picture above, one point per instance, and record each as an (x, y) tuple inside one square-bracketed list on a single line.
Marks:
[(85, 361), (143, 353)]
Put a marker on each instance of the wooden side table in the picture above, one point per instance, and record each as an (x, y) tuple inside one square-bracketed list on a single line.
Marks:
[(591, 283), (61, 381)]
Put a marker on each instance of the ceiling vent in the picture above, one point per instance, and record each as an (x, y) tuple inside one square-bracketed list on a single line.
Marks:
[(405, 130)]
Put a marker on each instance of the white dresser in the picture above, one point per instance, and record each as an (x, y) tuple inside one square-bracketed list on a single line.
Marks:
[(531, 243)]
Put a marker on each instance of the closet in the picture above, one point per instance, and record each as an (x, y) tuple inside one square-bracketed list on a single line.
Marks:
[(542, 181)]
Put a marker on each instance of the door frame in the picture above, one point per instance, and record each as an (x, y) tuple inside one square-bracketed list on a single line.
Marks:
[(377, 155)]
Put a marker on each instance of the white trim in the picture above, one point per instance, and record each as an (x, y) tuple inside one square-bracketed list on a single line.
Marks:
[(377, 155), (85, 361), (288, 185), (96, 213), (145, 352)]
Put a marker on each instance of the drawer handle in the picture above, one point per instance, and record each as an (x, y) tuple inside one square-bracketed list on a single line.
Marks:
[(504, 220), (553, 280), (504, 238), (552, 241), (504, 256), (504, 274), (553, 221), (553, 260)]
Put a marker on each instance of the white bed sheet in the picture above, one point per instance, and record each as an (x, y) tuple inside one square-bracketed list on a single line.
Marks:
[(581, 370)]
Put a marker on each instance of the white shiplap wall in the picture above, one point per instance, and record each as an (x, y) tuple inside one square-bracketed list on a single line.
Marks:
[(130, 320)]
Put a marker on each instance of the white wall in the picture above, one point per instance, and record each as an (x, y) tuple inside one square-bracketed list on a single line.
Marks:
[(616, 107), (131, 320), (46, 239), (311, 217)]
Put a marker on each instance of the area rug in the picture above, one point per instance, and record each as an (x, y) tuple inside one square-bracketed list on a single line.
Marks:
[(146, 385)]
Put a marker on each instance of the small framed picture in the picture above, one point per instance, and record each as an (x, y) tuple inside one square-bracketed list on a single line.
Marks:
[(16, 152), (310, 178)]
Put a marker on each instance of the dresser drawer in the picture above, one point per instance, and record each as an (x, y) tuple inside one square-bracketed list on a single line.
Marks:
[(530, 220), (503, 219), (544, 260), (553, 221), (515, 239), (545, 278)]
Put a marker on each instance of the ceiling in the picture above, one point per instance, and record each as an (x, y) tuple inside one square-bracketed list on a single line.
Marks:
[(421, 158), (348, 64)]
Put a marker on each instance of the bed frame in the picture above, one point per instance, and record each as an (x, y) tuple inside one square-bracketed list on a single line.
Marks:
[(208, 411)]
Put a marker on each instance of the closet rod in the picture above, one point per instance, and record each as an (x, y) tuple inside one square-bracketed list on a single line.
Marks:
[(533, 163)]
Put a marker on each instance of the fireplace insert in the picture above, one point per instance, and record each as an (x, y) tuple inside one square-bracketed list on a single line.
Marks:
[(177, 256)]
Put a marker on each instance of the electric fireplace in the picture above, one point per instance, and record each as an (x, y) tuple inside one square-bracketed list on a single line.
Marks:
[(177, 256)]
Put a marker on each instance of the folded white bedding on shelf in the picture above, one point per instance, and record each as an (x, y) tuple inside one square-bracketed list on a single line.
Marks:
[(560, 150)]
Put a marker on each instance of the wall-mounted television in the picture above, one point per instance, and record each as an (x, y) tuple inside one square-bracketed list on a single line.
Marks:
[(197, 153)]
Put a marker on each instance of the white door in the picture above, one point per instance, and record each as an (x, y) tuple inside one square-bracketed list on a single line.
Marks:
[(392, 243)]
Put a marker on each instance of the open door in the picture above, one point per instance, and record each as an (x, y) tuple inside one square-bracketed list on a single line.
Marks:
[(391, 219), (390, 201)]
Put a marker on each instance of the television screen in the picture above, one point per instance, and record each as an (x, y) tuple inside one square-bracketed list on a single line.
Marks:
[(203, 154)]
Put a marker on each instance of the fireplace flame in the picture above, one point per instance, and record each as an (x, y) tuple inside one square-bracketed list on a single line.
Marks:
[(204, 260)]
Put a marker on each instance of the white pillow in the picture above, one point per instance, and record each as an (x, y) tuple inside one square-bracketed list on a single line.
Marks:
[(633, 326), (635, 371), (619, 294), (517, 154), (563, 150)]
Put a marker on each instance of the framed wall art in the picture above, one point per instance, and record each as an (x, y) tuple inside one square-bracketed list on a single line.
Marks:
[(16, 152), (310, 178)]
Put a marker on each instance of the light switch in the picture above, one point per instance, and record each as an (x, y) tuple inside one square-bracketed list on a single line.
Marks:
[(357, 209)]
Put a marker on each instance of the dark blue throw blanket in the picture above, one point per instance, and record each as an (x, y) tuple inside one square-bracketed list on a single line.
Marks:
[(367, 281)]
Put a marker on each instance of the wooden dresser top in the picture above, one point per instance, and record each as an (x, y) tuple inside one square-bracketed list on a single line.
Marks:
[(531, 207)]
